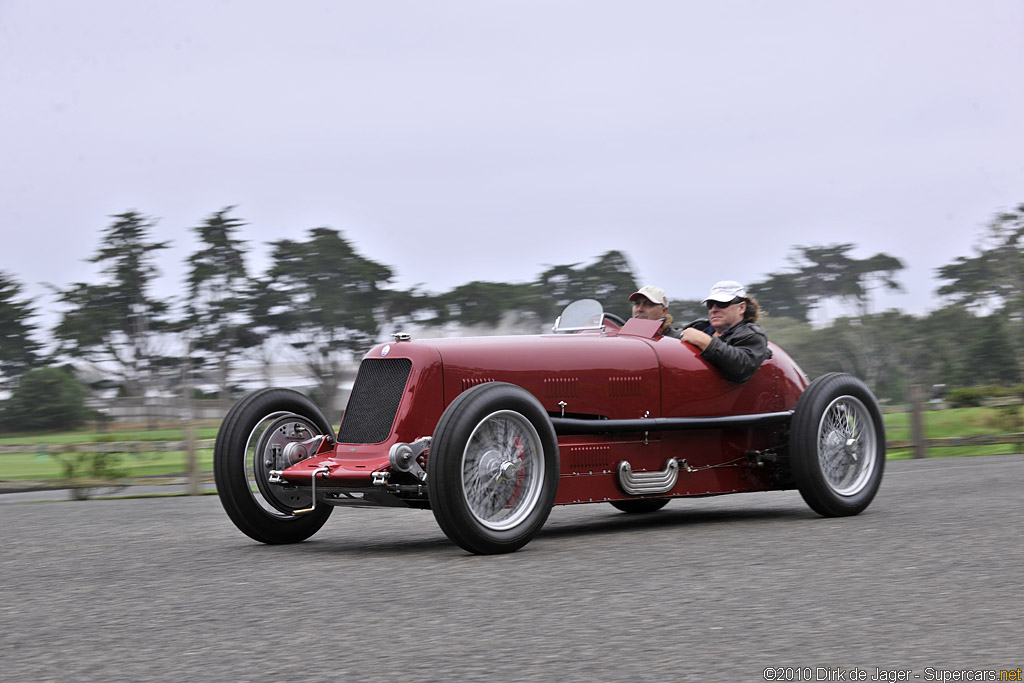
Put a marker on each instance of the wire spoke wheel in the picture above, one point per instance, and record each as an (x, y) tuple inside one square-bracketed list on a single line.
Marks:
[(502, 470), (846, 445), (492, 469), (837, 445)]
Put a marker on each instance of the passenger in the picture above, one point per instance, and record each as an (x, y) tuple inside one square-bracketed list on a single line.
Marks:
[(730, 338), (651, 303)]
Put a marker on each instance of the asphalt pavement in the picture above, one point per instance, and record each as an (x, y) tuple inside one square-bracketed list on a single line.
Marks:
[(926, 584)]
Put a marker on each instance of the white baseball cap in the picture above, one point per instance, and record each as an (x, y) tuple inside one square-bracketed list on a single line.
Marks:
[(725, 291), (654, 294)]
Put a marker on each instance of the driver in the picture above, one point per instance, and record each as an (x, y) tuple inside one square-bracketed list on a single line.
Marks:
[(651, 303), (730, 338)]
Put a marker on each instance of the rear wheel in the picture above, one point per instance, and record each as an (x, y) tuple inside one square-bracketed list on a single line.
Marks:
[(493, 469), (837, 445), (249, 446)]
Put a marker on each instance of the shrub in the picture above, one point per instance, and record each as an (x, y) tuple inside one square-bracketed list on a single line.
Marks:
[(45, 398), (966, 397), (100, 465), (1005, 419)]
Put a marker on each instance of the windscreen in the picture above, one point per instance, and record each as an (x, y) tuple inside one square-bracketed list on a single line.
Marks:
[(585, 314)]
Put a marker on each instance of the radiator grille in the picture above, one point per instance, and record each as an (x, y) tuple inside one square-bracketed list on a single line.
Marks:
[(374, 401)]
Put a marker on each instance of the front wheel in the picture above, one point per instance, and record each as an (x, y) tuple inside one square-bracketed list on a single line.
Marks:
[(493, 468), (837, 445), (249, 445)]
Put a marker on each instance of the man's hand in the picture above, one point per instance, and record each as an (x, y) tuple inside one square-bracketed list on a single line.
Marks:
[(694, 336)]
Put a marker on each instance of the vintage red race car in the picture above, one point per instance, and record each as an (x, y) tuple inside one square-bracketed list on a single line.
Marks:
[(490, 432)]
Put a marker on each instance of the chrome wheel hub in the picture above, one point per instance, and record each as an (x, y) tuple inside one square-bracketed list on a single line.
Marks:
[(847, 446), (275, 444), (502, 470)]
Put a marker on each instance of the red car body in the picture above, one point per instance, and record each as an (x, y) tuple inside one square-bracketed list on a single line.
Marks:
[(491, 432), (629, 374)]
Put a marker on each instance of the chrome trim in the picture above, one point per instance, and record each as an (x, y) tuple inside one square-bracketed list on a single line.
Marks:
[(642, 483), (403, 457), (295, 452), (325, 470)]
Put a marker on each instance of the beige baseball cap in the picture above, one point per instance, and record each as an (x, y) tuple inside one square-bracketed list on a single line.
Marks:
[(654, 294)]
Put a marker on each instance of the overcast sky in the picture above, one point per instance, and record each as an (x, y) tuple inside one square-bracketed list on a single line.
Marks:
[(461, 140)]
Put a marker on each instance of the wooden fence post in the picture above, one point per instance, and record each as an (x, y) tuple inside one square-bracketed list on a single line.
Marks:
[(188, 414), (917, 422), (193, 468)]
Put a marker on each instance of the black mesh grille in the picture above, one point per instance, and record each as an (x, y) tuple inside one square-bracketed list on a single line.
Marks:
[(374, 400)]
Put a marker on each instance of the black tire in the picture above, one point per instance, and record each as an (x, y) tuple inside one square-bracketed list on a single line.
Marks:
[(241, 465), (641, 506), (837, 445), (492, 471)]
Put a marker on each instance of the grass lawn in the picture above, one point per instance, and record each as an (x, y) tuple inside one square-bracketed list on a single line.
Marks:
[(205, 431), (957, 422), (47, 466), (138, 463)]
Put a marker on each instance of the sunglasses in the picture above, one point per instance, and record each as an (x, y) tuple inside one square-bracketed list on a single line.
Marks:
[(727, 304)]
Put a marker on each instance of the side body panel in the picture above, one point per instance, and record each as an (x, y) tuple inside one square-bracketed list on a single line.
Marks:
[(613, 377), (629, 374), (690, 387)]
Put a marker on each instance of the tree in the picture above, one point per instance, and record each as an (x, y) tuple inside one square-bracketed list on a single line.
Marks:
[(321, 296), (883, 349), (821, 273), (994, 276), (46, 398), (116, 324), (18, 350), (782, 295), (991, 282), (990, 356), (484, 303), (609, 279), (939, 354), (218, 317)]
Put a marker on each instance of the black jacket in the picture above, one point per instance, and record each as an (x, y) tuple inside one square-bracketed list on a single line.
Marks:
[(739, 352), (671, 329)]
